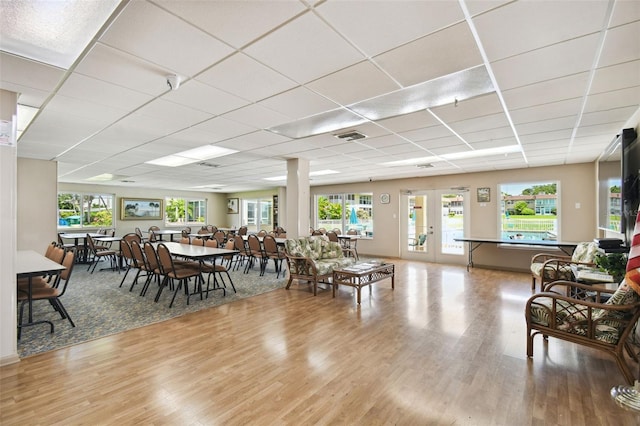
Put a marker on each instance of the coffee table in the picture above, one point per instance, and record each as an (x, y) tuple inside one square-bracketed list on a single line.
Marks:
[(362, 274)]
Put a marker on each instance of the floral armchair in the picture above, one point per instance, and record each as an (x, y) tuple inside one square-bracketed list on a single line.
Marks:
[(575, 313), (313, 259), (551, 267)]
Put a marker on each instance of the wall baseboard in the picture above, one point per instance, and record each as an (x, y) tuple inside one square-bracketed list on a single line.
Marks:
[(10, 359)]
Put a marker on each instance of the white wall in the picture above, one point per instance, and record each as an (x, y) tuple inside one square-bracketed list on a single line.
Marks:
[(37, 201), (8, 166)]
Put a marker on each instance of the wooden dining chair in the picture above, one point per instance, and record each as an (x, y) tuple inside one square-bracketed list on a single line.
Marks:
[(256, 253)]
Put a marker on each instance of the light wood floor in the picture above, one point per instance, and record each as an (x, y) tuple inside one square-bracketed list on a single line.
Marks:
[(446, 347)]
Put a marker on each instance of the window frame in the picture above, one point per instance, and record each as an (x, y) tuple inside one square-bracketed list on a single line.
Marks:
[(186, 203), (348, 200), (545, 229), (104, 196)]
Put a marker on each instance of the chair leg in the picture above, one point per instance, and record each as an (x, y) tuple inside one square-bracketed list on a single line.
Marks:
[(63, 311)]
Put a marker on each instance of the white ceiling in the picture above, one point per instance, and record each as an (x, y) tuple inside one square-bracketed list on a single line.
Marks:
[(565, 78)]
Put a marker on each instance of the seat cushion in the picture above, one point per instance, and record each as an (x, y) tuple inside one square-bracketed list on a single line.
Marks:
[(563, 272)]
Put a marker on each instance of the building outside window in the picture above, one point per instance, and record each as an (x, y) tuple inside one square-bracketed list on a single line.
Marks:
[(85, 210), (529, 211)]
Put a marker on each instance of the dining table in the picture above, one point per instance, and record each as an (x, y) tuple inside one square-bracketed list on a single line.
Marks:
[(196, 252), (171, 232), (33, 264), (81, 250)]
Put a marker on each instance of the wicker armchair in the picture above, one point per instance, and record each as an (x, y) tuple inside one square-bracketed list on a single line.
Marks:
[(551, 267), (575, 313)]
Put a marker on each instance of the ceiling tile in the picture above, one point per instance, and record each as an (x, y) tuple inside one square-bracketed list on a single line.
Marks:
[(236, 23), (298, 103), (304, 50), (425, 59), (385, 25), (196, 95), (153, 34)]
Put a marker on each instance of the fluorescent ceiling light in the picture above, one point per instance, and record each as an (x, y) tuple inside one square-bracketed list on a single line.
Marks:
[(25, 115), (318, 173), (192, 156), (211, 185), (457, 156), (105, 177), (443, 90)]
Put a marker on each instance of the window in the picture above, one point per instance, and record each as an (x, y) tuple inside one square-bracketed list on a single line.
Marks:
[(185, 211), (85, 210), (529, 211), (345, 211)]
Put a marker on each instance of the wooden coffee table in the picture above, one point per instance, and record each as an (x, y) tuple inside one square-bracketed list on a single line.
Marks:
[(362, 274)]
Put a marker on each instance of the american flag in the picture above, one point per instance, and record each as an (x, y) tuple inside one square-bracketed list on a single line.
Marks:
[(632, 277)]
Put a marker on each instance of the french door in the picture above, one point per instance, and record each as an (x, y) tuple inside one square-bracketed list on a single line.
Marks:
[(430, 220)]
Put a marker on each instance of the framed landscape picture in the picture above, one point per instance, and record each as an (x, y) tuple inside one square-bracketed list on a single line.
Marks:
[(141, 208)]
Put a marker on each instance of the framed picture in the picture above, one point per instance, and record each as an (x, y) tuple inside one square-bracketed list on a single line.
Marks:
[(141, 208), (484, 195), (232, 205)]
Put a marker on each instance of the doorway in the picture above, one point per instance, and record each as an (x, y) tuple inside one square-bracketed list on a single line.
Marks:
[(431, 219)]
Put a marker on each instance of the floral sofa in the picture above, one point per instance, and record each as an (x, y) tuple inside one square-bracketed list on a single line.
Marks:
[(551, 267), (313, 259), (574, 312)]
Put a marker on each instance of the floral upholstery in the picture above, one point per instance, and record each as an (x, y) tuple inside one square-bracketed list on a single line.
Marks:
[(314, 259), (570, 311), (551, 267)]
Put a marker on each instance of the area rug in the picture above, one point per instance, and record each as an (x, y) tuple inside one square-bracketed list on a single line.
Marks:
[(100, 307)]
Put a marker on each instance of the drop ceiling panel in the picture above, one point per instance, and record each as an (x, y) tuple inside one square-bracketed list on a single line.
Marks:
[(220, 128), (236, 23), (245, 77), (385, 25), (613, 99), (173, 116), (557, 89), (257, 116), (298, 103), (425, 59), (197, 95), (413, 121), (123, 69), (570, 57), (304, 50), (470, 108), (481, 123), (566, 108), (355, 83), (621, 45), (525, 26), (153, 34), (90, 89), (27, 73)]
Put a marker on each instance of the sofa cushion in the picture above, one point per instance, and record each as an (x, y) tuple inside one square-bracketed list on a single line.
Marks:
[(585, 252)]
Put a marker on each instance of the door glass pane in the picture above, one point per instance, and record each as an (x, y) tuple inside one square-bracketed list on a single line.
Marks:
[(418, 223), (452, 207), (266, 218)]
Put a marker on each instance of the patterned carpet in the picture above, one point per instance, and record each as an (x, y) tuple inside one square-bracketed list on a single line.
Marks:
[(100, 307)]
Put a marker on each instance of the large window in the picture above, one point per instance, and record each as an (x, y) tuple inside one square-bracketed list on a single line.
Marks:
[(345, 211), (529, 211), (83, 210), (185, 211)]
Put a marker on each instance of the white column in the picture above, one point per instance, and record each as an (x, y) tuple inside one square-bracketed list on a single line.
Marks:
[(8, 236), (297, 199)]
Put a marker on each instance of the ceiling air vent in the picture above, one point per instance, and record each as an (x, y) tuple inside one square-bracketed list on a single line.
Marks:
[(205, 164), (350, 136)]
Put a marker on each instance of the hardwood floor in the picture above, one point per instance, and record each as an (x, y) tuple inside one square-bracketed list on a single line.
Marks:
[(445, 347)]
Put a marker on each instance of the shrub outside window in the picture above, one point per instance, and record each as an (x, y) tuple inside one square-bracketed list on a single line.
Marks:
[(85, 210), (345, 211), (184, 211)]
